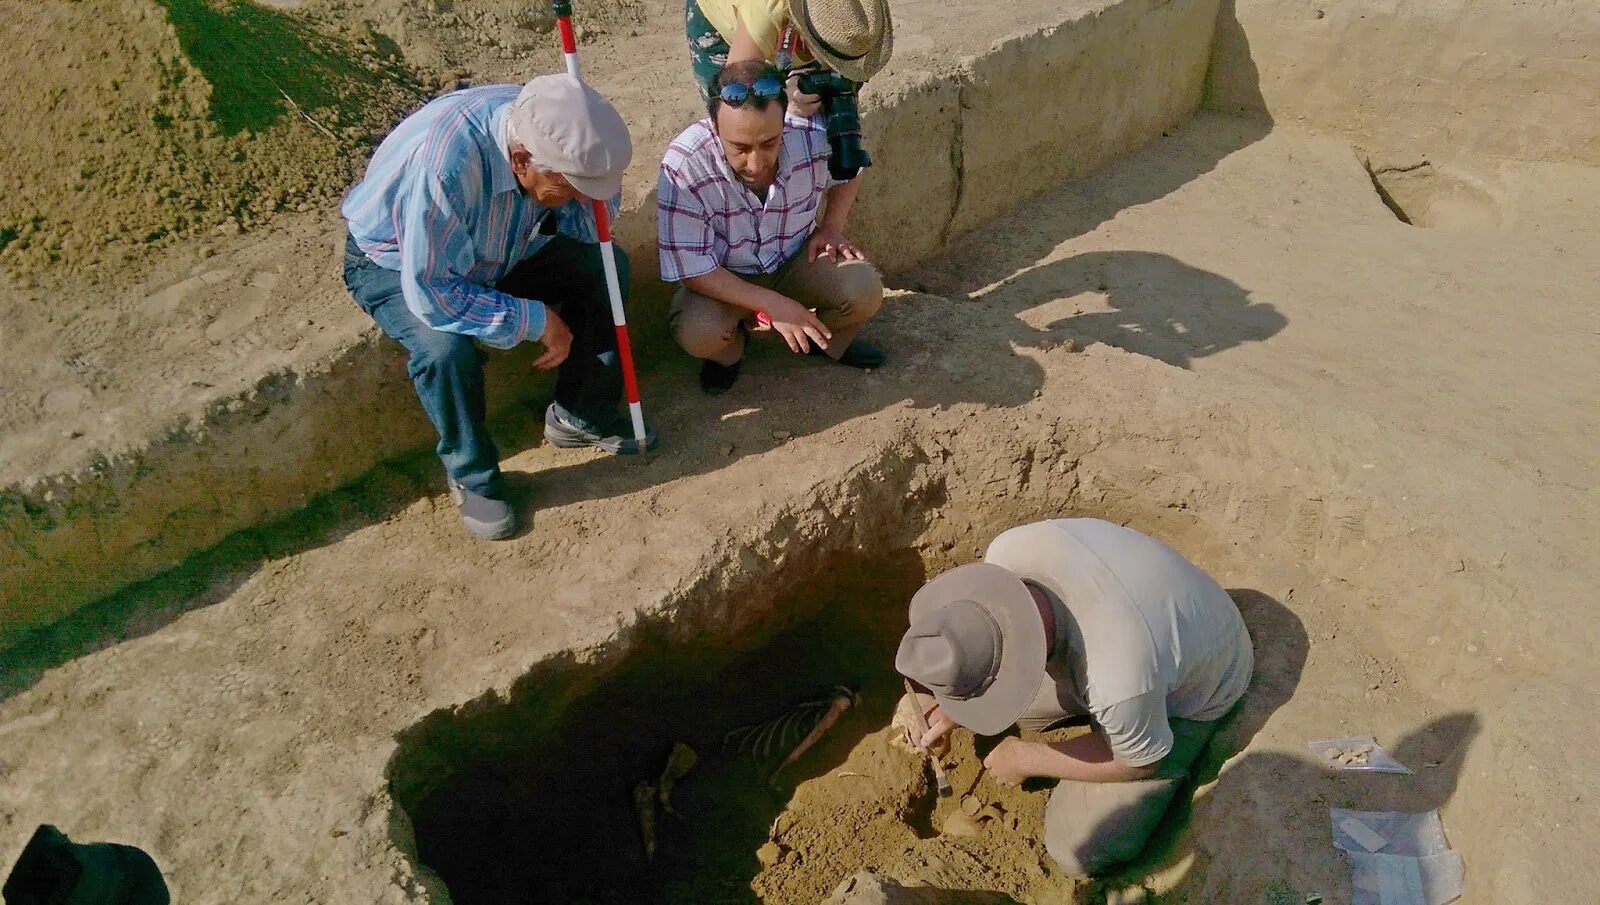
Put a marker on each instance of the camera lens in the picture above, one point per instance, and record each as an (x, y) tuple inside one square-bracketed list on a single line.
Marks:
[(838, 96), (844, 139)]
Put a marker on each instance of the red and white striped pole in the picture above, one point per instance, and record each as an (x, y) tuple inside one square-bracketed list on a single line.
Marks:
[(608, 253)]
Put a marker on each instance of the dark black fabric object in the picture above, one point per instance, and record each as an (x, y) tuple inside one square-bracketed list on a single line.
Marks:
[(716, 379), (53, 870)]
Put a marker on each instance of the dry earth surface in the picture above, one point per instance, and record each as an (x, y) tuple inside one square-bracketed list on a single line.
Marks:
[(1379, 435)]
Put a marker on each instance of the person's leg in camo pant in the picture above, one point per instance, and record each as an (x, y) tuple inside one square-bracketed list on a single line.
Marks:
[(708, 52)]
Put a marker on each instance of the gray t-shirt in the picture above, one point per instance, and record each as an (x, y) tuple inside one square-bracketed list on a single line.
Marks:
[(1142, 635)]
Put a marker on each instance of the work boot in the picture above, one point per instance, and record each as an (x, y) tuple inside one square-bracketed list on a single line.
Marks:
[(486, 517), (716, 379), (859, 354), (565, 431)]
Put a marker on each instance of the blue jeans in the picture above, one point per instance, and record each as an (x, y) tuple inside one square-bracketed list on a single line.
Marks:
[(447, 368)]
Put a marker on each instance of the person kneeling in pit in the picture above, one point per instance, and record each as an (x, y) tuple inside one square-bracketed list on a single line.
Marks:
[(1080, 618), (738, 227)]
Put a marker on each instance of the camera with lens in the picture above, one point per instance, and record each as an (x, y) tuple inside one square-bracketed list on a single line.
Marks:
[(838, 96)]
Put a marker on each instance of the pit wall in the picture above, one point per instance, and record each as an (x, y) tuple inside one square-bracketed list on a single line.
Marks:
[(951, 150), (1508, 80)]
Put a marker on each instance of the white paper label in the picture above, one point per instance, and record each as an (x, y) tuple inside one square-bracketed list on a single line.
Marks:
[(1363, 835)]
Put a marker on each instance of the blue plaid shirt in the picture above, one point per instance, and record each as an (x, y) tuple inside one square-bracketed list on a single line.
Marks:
[(441, 205)]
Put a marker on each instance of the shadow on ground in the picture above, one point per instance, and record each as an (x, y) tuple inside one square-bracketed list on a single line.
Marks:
[(262, 64), (1261, 834), (1158, 305), (1143, 301)]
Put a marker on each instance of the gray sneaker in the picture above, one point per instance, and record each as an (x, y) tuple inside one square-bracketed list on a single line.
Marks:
[(615, 438), (486, 518)]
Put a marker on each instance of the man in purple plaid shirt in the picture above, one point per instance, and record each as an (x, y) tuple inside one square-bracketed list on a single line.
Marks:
[(738, 229)]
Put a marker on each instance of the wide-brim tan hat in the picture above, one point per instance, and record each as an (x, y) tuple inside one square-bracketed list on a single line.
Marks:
[(977, 643), (854, 38)]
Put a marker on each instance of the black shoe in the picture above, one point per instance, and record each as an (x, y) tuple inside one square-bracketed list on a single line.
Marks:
[(859, 354), (615, 438), (717, 379)]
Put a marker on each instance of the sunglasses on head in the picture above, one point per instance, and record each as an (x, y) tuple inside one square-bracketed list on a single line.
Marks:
[(764, 89)]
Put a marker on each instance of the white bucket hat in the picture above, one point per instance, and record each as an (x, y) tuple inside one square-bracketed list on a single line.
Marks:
[(852, 37)]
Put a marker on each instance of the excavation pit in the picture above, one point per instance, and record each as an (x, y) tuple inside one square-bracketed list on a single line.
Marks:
[(1217, 336), (551, 817), (1436, 197), (526, 806)]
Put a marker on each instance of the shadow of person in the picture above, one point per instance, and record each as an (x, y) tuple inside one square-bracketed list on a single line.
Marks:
[(1262, 833), (867, 888), (1258, 829), (1149, 303)]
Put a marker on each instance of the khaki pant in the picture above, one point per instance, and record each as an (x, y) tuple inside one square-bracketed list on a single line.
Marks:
[(1091, 827), (845, 294)]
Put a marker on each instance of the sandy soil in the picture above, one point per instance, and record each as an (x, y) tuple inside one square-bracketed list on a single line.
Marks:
[(1379, 435), (1332, 411)]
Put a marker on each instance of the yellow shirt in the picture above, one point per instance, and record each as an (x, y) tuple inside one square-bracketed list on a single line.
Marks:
[(763, 19)]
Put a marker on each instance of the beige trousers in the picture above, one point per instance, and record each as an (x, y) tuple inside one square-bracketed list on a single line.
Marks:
[(845, 294)]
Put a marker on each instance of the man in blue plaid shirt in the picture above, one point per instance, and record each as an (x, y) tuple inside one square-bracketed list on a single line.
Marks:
[(473, 226)]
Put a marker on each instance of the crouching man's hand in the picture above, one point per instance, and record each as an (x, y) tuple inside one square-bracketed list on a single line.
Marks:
[(796, 324), (556, 339), (832, 244)]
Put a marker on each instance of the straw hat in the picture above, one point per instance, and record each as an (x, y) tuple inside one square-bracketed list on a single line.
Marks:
[(852, 37)]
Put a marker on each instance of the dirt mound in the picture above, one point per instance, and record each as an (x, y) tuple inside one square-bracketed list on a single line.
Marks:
[(878, 810), (132, 125)]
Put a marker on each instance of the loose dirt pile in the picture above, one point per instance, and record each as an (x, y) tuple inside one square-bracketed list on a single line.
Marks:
[(132, 125), (878, 810)]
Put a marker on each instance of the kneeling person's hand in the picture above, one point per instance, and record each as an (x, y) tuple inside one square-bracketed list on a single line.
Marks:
[(1005, 762)]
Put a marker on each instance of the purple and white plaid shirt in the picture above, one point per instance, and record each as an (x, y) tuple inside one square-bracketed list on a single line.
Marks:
[(706, 217)]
